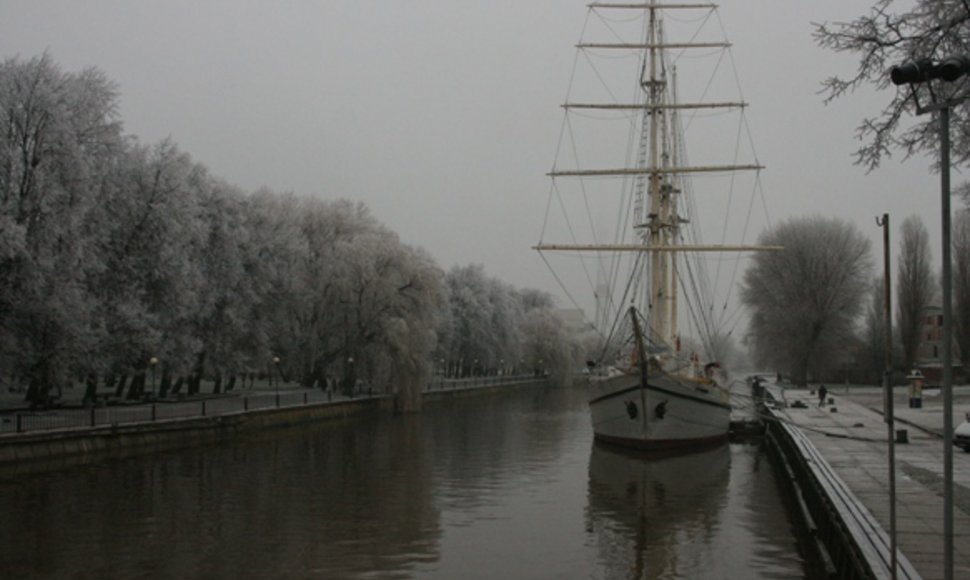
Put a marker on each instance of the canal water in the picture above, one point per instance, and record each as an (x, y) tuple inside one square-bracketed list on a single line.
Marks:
[(501, 486)]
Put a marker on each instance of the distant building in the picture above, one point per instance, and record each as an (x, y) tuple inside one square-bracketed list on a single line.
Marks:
[(929, 356)]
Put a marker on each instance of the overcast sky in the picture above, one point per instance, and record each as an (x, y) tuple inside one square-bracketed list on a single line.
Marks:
[(443, 115)]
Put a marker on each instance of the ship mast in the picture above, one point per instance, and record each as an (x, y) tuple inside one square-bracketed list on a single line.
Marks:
[(654, 86), (657, 169)]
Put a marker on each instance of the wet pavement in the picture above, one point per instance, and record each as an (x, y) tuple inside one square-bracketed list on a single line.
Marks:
[(851, 435)]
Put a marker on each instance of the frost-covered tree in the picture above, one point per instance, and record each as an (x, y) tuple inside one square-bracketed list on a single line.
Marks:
[(914, 287), (482, 321), (279, 318), (58, 135), (151, 233), (349, 292), (549, 347), (933, 29), (118, 257), (234, 277), (491, 327), (804, 300)]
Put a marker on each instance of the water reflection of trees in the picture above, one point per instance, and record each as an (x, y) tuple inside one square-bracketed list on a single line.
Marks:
[(360, 496), (348, 500)]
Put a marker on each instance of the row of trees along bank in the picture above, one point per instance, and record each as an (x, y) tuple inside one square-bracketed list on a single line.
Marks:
[(115, 256), (815, 307)]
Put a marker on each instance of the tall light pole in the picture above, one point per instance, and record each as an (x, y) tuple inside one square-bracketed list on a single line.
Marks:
[(276, 365), (153, 362), (351, 379), (888, 403), (913, 74)]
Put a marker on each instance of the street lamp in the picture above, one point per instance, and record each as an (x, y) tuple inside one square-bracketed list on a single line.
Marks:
[(889, 412), (920, 73), (351, 379), (153, 362), (276, 363)]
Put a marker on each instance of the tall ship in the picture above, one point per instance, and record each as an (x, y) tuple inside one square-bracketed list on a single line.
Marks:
[(649, 231)]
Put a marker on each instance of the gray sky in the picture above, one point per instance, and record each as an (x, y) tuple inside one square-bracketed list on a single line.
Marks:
[(443, 116)]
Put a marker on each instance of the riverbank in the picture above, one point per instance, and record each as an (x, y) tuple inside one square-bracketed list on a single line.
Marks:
[(838, 453), (211, 420)]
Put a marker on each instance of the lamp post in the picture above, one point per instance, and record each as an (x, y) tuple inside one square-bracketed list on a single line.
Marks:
[(914, 74), (351, 379), (889, 412), (153, 362), (276, 364)]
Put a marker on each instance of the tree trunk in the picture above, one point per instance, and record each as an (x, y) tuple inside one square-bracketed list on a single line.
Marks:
[(178, 385), (165, 385), (137, 388), (232, 383), (195, 381), (217, 384), (38, 392), (120, 391), (90, 389), (350, 379)]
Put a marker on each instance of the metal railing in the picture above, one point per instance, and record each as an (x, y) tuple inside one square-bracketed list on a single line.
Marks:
[(440, 383), (85, 418), (128, 413)]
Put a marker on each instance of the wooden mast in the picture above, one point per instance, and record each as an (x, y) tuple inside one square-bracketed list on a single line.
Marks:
[(657, 168), (659, 208)]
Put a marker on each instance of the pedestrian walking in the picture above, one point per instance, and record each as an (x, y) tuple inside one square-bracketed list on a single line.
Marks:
[(822, 391)]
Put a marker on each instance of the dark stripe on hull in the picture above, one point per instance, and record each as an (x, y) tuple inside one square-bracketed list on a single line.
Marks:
[(622, 392), (662, 444)]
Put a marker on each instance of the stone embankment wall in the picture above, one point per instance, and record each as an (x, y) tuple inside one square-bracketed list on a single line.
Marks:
[(35, 449), (135, 438)]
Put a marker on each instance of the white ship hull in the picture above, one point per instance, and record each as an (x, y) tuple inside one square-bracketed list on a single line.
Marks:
[(670, 413)]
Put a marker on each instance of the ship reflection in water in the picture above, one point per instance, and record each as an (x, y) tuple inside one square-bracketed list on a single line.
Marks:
[(673, 516)]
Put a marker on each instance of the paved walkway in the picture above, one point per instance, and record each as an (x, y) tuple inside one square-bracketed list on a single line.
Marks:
[(852, 437)]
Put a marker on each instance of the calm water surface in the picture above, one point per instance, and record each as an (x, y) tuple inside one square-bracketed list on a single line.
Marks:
[(506, 486)]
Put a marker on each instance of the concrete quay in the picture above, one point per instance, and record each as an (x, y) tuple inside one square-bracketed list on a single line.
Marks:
[(227, 419), (845, 443)]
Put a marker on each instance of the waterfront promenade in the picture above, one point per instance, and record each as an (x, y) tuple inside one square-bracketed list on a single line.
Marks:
[(69, 412), (852, 438)]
